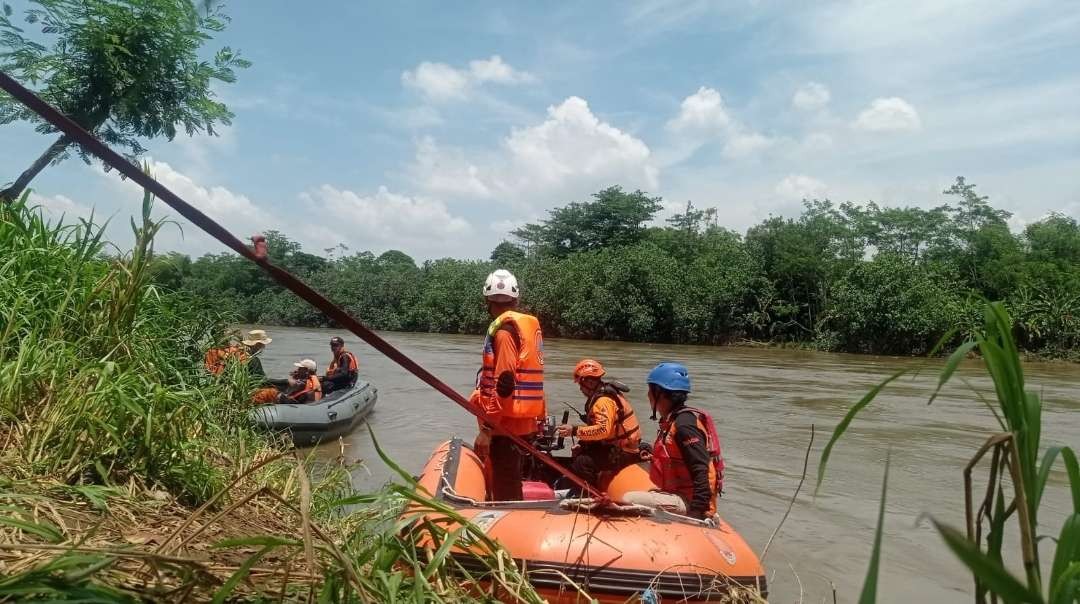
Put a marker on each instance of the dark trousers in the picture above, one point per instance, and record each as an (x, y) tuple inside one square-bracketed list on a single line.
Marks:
[(592, 459), (506, 469)]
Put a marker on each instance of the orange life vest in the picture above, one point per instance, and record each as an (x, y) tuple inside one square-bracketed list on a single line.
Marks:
[(217, 357), (312, 384), (350, 359), (627, 431), (525, 407), (669, 471)]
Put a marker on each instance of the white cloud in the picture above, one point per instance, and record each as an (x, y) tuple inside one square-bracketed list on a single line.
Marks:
[(390, 220), (702, 118), (811, 96), (796, 187), (745, 145), (703, 110), (497, 70), (448, 171), (569, 155), (57, 206), (818, 141), (892, 114), (439, 82)]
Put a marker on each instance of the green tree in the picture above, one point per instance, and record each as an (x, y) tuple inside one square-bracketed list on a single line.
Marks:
[(125, 70), (613, 218), (507, 253)]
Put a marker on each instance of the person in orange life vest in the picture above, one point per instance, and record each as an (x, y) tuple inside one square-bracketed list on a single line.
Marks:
[(304, 386), (343, 370), (509, 386), (608, 442), (687, 465), (216, 358)]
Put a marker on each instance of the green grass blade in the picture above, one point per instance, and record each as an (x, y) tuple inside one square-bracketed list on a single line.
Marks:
[(409, 480), (1068, 553), (986, 569), (241, 573), (444, 550), (844, 423), (45, 531), (264, 540), (869, 590), (950, 367), (1068, 589), (1071, 466)]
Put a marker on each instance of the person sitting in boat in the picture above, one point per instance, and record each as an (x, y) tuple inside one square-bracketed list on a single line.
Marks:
[(608, 442), (304, 386), (246, 352), (687, 464), (342, 372), (509, 386)]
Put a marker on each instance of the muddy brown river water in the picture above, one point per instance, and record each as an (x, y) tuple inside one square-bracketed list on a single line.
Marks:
[(764, 401)]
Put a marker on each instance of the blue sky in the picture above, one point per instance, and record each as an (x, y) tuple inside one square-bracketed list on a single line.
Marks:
[(435, 128)]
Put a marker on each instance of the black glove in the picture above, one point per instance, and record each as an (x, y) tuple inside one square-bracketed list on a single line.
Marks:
[(504, 387), (644, 448)]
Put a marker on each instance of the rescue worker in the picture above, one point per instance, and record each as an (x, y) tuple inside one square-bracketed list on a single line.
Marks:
[(609, 441), (342, 372), (687, 464), (247, 351), (509, 386), (304, 386)]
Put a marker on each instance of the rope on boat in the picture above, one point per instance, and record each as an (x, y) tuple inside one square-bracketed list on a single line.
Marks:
[(91, 144)]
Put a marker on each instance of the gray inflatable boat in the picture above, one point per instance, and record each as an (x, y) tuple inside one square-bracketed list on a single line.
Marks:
[(335, 415)]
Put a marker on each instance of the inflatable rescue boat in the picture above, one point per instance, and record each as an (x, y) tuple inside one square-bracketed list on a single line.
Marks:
[(615, 555), (337, 414)]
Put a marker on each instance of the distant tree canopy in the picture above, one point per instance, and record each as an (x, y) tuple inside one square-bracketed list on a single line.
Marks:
[(125, 70), (847, 277)]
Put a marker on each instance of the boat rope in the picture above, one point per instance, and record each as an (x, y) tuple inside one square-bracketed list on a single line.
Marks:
[(91, 144)]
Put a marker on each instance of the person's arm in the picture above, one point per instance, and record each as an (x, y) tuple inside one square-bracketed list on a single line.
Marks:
[(603, 426), (506, 354), (255, 368), (691, 443)]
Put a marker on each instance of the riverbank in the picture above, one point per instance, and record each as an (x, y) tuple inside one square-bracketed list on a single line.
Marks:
[(129, 473)]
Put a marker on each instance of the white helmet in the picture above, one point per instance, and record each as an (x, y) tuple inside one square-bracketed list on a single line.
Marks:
[(501, 286)]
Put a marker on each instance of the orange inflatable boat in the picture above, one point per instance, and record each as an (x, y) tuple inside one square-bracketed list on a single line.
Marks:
[(627, 555)]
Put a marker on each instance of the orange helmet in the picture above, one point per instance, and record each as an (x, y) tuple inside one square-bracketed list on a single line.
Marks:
[(588, 368)]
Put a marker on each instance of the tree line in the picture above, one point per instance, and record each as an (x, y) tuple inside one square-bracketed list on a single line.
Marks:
[(848, 277)]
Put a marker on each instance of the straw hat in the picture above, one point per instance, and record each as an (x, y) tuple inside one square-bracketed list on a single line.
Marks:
[(306, 364), (257, 336)]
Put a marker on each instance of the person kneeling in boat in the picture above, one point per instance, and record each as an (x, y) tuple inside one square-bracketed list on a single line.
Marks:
[(610, 438), (687, 465), (304, 386), (343, 370), (509, 386)]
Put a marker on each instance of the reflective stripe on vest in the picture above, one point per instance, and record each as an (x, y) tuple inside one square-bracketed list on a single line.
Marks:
[(669, 471), (627, 429), (527, 400)]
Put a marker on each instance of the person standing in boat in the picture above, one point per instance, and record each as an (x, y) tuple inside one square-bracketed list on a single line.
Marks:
[(509, 386), (687, 464), (304, 385), (610, 439), (343, 370)]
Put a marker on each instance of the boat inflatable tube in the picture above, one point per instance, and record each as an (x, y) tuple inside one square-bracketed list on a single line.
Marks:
[(615, 557), (337, 414)]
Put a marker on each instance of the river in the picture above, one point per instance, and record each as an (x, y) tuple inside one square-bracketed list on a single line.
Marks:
[(764, 401)]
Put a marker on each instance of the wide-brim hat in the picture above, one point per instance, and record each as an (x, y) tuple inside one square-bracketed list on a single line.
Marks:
[(257, 336)]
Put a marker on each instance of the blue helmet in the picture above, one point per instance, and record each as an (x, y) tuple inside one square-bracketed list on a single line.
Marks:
[(670, 376)]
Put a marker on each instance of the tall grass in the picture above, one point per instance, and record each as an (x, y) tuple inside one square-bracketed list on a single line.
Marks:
[(1016, 460), (129, 473)]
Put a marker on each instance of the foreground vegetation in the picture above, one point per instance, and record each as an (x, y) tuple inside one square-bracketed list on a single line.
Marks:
[(1016, 479), (129, 474), (843, 278)]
